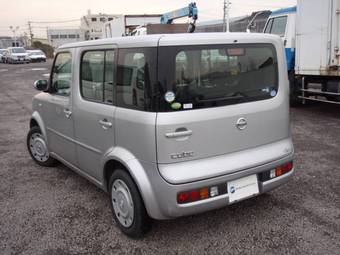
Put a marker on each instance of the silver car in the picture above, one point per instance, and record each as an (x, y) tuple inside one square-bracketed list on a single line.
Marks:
[(17, 55), (168, 125)]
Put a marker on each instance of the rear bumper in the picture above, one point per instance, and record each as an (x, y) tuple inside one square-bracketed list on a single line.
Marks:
[(166, 193), (20, 61), (38, 59)]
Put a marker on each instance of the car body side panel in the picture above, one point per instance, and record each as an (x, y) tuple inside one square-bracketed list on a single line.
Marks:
[(135, 131)]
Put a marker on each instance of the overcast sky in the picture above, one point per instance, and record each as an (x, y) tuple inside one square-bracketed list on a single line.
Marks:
[(19, 12)]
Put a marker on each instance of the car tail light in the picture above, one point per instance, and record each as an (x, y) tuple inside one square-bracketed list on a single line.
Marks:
[(281, 170), (183, 198), (201, 194)]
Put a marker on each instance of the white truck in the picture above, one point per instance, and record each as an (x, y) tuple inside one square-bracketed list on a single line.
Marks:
[(123, 25), (310, 32)]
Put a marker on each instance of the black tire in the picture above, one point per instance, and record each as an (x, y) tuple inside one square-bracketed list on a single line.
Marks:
[(295, 92), (141, 221), (49, 162)]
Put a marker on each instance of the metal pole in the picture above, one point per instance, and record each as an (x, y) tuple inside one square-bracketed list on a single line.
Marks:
[(14, 29), (227, 14), (30, 30), (15, 39), (226, 18)]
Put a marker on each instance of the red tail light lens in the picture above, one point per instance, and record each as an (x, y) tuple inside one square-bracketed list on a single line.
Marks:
[(194, 195), (281, 170), (183, 198), (201, 194)]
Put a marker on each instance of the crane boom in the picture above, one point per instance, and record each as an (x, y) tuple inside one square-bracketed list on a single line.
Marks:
[(191, 11)]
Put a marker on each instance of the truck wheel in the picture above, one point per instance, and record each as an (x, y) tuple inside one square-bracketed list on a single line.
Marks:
[(127, 205), (38, 149), (295, 92)]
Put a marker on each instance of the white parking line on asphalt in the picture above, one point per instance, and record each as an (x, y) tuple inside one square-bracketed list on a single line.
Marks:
[(38, 69), (3, 70)]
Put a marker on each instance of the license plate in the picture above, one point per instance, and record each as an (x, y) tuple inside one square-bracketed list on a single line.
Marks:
[(243, 188)]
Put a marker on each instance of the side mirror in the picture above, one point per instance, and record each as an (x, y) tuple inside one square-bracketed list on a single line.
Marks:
[(41, 85)]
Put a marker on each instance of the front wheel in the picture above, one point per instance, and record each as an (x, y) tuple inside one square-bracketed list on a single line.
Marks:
[(37, 148), (127, 205)]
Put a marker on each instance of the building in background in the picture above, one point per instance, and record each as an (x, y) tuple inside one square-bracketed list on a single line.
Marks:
[(8, 41), (58, 37), (122, 25), (92, 24)]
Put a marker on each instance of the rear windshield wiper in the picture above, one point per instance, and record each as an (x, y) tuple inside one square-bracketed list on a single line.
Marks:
[(218, 99)]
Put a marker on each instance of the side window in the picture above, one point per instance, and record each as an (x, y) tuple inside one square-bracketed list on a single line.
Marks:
[(97, 76), (268, 28), (92, 75), (62, 74), (277, 26), (132, 78)]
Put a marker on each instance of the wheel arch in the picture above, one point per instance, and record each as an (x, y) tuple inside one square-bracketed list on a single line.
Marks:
[(36, 120), (120, 158)]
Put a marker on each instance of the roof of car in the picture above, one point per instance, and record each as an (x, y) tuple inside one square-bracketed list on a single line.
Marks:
[(176, 39)]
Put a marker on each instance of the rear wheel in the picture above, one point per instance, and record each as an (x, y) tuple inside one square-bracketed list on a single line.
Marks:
[(37, 148), (127, 205), (295, 92)]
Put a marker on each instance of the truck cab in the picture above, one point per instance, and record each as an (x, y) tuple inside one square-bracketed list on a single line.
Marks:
[(282, 23), (310, 32)]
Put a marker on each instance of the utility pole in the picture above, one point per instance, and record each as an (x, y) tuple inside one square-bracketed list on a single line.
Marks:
[(226, 18), (30, 30)]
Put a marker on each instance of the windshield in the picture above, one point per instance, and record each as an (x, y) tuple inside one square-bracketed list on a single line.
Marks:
[(18, 50), (195, 77), (2, 51)]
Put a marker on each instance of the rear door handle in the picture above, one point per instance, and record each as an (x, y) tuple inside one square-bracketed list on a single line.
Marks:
[(105, 124), (68, 113), (178, 134)]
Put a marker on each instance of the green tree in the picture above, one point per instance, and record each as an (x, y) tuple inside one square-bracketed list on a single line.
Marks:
[(47, 49)]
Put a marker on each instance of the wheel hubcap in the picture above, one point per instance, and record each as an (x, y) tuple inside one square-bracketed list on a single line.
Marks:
[(122, 203), (38, 147)]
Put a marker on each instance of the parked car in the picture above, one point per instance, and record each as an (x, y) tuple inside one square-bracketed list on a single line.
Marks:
[(17, 55), (36, 55), (209, 125), (3, 55), (2, 51)]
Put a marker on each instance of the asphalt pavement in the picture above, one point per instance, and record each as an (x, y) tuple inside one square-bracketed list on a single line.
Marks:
[(55, 211)]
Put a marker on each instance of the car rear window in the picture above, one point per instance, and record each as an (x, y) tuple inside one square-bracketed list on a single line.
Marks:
[(193, 77)]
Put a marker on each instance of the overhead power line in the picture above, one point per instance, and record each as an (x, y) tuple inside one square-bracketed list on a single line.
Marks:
[(59, 21), (260, 5)]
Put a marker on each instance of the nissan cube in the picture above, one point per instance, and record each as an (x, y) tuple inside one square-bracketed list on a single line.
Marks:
[(168, 125)]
